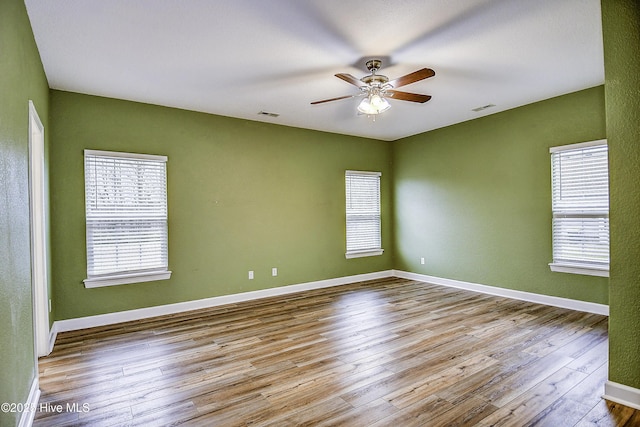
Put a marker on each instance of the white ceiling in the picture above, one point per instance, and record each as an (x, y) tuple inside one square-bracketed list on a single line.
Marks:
[(239, 57)]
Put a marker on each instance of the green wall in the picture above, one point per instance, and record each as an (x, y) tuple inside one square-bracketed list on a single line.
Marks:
[(242, 196), (621, 29), (474, 199), (21, 79)]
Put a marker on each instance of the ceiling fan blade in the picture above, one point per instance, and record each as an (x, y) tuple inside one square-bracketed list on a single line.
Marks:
[(350, 79), (332, 99), (406, 96), (422, 74)]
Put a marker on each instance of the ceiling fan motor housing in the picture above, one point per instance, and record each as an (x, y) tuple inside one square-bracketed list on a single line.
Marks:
[(374, 79)]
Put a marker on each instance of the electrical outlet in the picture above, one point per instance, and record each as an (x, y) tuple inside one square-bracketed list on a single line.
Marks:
[(422, 260), (250, 274), (274, 271)]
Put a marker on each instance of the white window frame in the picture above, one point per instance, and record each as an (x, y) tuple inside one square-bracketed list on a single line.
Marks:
[(361, 215), (598, 211), (133, 275)]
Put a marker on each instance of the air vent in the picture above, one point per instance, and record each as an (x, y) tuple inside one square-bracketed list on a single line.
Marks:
[(268, 114), (484, 107)]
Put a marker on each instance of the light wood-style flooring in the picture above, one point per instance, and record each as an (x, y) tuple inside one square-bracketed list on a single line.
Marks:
[(391, 352)]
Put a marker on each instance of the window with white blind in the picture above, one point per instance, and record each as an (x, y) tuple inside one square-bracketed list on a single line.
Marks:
[(126, 218), (580, 203), (363, 214)]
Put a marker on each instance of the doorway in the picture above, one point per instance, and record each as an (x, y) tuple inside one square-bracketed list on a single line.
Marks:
[(39, 275)]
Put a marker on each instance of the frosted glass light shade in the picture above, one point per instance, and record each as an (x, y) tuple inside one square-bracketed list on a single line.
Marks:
[(373, 104)]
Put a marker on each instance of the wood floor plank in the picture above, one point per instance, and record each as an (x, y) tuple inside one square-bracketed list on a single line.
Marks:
[(467, 413), (562, 412), (429, 385), (609, 414), (535, 401), (419, 414), (387, 352), (361, 416), (589, 391), (519, 381), (592, 359)]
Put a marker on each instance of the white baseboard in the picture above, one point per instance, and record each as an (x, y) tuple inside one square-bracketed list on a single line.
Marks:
[(589, 307), (623, 394), (26, 419), (143, 313)]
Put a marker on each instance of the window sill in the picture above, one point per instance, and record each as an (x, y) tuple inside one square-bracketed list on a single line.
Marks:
[(361, 254), (579, 269), (123, 279)]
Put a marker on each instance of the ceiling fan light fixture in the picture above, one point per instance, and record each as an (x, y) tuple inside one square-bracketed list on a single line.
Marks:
[(373, 104), (375, 88)]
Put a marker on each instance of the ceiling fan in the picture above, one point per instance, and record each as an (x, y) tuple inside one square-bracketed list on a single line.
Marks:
[(376, 88)]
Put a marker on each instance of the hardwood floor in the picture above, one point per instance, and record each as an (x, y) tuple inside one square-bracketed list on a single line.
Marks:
[(391, 352)]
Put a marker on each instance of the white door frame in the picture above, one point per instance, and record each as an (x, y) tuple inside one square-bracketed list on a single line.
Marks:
[(39, 270)]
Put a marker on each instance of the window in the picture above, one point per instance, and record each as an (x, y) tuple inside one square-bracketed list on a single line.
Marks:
[(580, 193), (126, 218), (363, 214)]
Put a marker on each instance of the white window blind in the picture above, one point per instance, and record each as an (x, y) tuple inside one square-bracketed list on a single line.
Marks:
[(126, 215), (363, 213), (580, 193)]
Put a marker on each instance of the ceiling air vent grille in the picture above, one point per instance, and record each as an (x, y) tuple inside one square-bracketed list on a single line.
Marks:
[(268, 114), (484, 107)]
